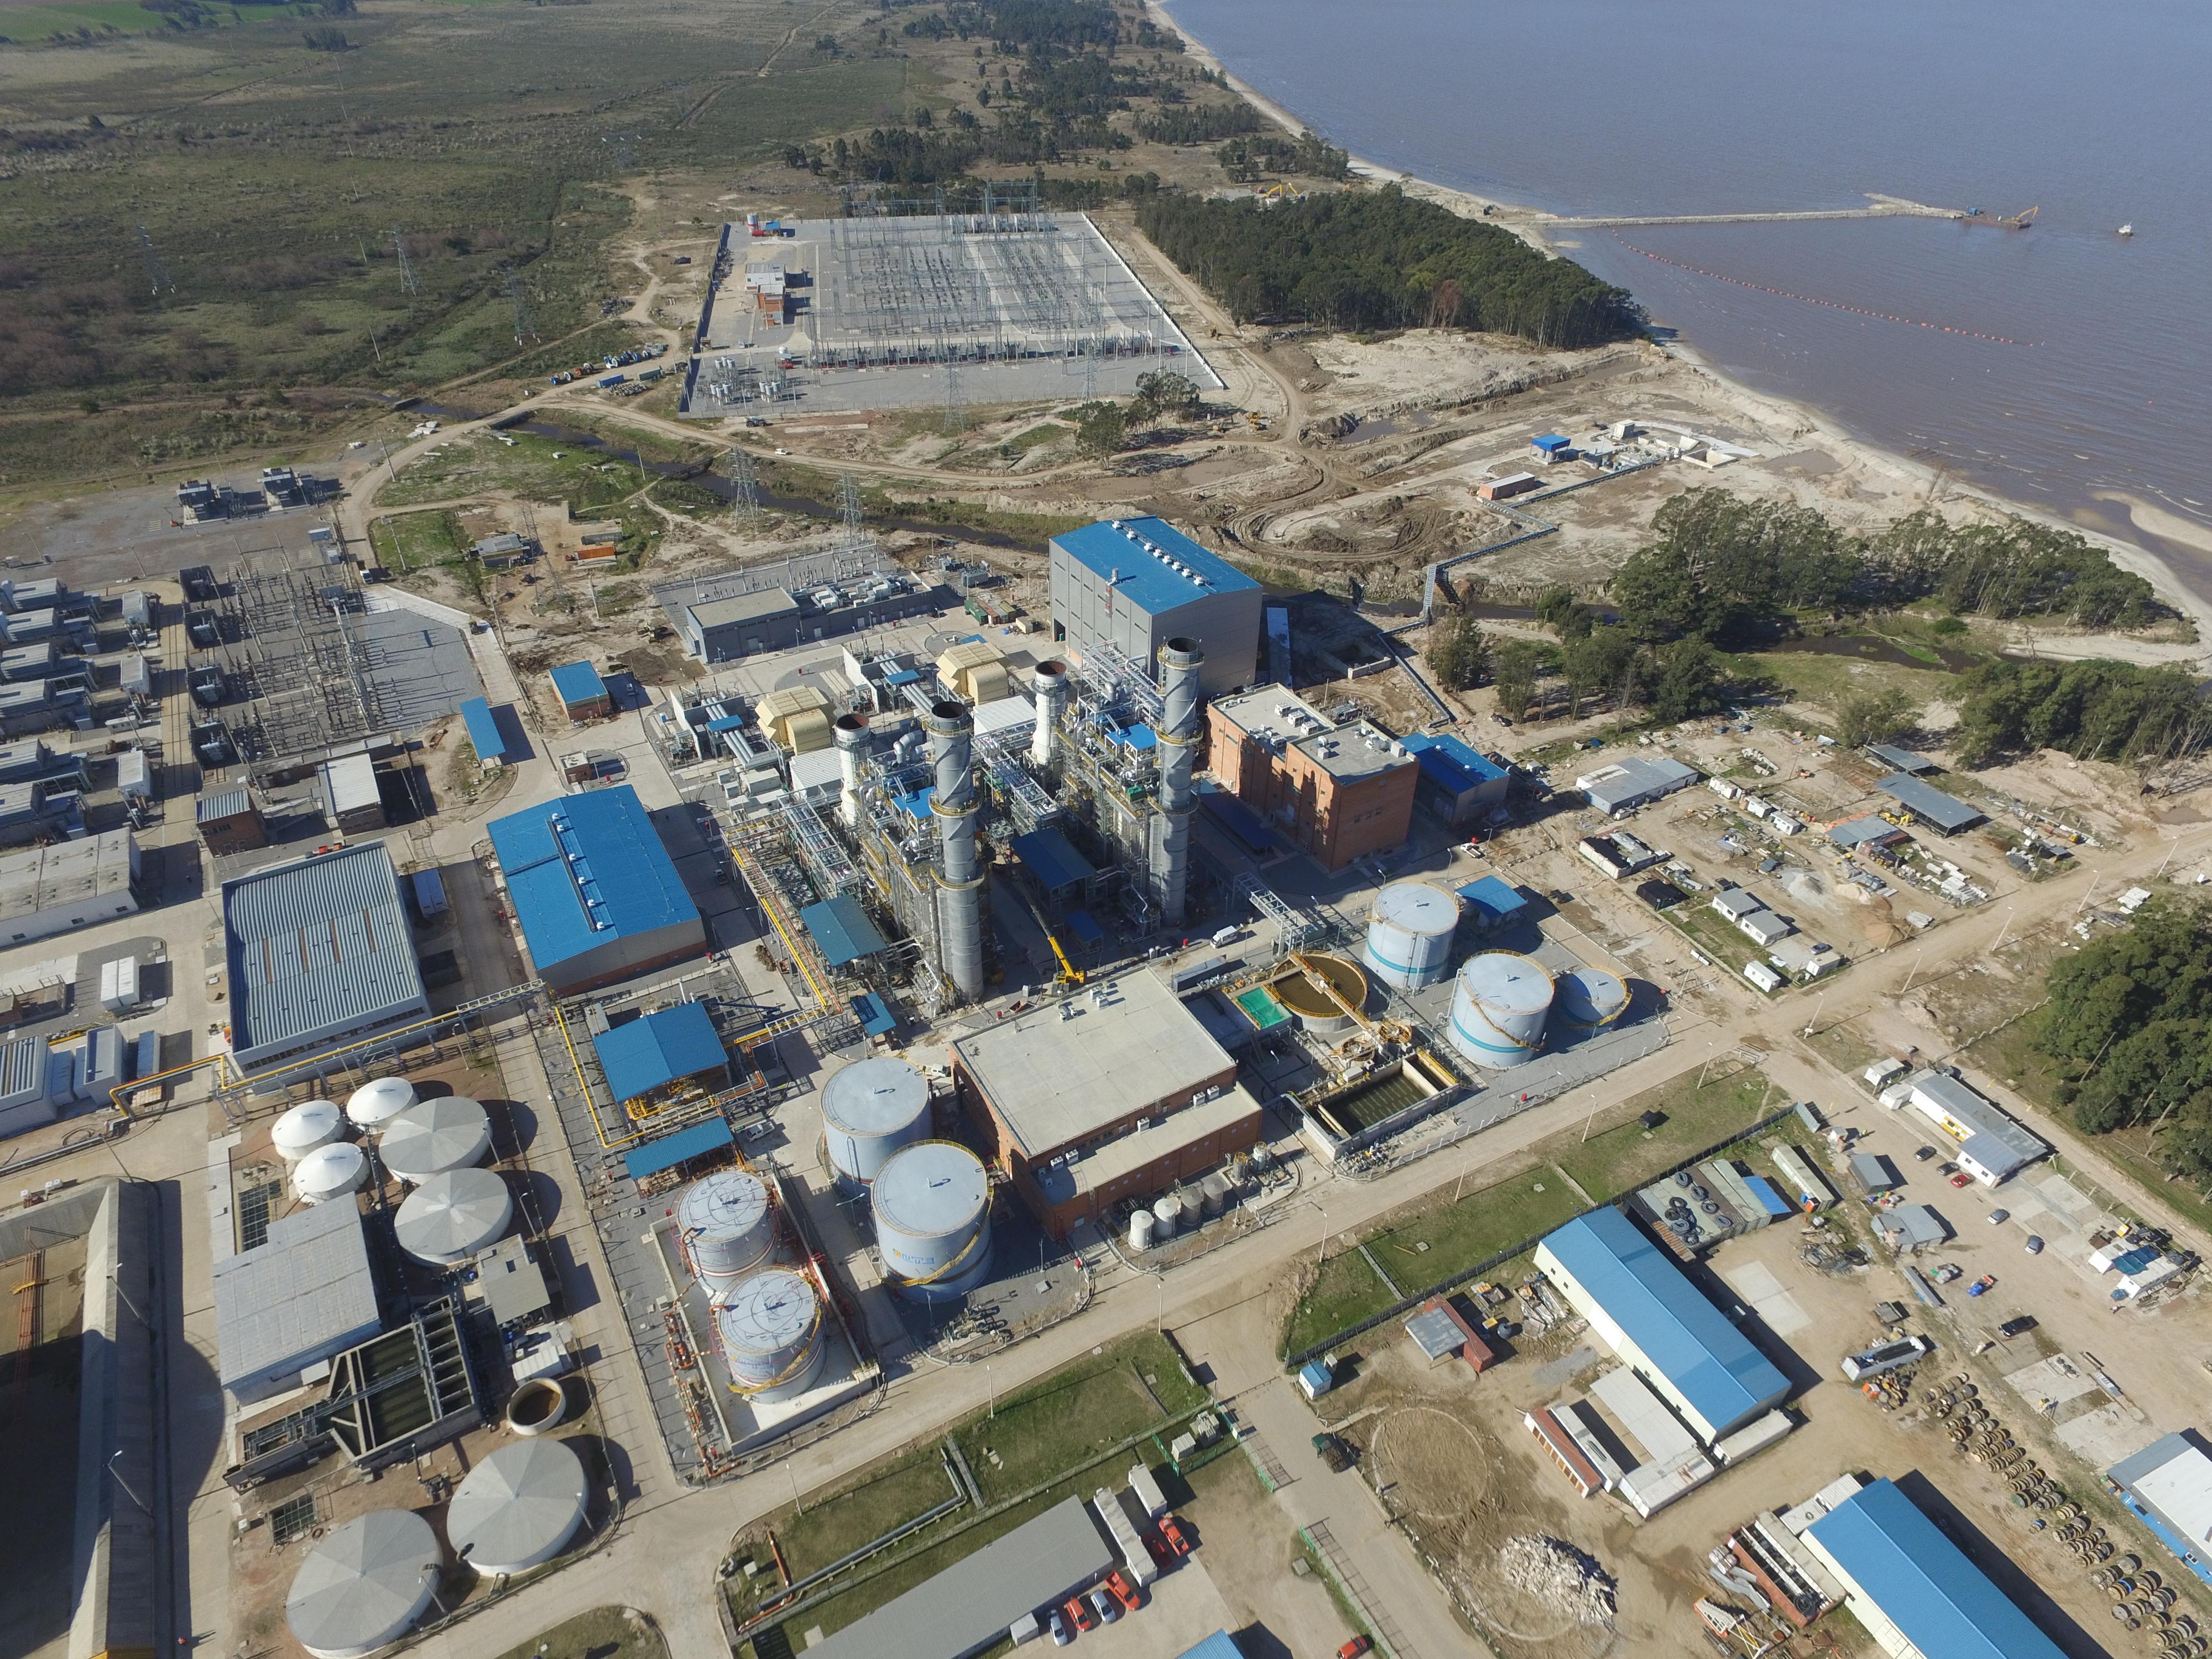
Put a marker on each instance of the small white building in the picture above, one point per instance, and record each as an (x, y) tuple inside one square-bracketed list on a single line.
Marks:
[(44, 890), (1764, 928), (1763, 976), (1992, 1147)]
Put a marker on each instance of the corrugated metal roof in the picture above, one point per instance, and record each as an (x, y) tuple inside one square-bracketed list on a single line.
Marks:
[(842, 929), (577, 682), (1496, 897), (351, 781), (228, 804), (1947, 812), (483, 730), (586, 870), (681, 1148), (1219, 1646), (41, 879), (1690, 1340), (648, 1054), (1859, 831), (1147, 580), (1903, 759), (302, 1295), (1052, 858), (1452, 763), (1632, 778), (1922, 1581), (317, 944)]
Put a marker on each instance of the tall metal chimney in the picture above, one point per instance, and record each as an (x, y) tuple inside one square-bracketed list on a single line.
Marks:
[(852, 734), (1180, 661), (1051, 681), (952, 731)]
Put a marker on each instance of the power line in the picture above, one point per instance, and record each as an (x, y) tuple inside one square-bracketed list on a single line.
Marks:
[(955, 409), (158, 280), (848, 508), (408, 279), (526, 326)]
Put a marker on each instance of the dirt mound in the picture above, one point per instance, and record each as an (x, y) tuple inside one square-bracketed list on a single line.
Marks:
[(1557, 1576)]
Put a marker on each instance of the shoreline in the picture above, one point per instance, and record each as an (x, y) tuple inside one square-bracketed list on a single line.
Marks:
[(1525, 221)]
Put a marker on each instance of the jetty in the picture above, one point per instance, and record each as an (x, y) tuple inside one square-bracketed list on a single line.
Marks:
[(1881, 207)]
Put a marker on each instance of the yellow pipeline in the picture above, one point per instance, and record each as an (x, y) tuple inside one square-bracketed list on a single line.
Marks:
[(772, 905)]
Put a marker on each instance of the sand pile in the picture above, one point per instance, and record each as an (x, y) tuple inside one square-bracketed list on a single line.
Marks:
[(1558, 1575)]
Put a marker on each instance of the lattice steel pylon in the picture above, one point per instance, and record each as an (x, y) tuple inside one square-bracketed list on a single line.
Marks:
[(526, 326), (848, 509), (158, 280), (955, 407), (408, 279), (745, 488)]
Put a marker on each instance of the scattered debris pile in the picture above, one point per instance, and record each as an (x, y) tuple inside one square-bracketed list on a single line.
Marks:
[(1559, 1576)]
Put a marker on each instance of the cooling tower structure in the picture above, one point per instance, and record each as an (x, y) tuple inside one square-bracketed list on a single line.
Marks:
[(851, 732), (364, 1584), (771, 1329), (375, 1104), (1588, 999), (727, 1225), (1051, 682), (1499, 1008), (517, 1509), (952, 731), (453, 1217), (1179, 734), (309, 1126), (433, 1136), (870, 1111), (933, 1208), (329, 1172), (1409, 934)]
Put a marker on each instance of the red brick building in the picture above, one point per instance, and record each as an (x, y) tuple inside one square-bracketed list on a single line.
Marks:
[(1338, 792)]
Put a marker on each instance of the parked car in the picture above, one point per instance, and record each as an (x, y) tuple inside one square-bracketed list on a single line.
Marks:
[(2034, 1245), (1080, 1615), (1108, 1608), (1125, 1590), (1333, 1452), (1924, 1154), (1354, 1648), (1061, 1635), (1997, 1216), (1962, 1179), (1178, 1539)]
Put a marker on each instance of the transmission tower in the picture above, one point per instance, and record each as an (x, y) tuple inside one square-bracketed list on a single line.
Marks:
[(408, 279), (955, 409), (745, 488), (526, 326), (848, 508), (1089, 377), (158, 280)]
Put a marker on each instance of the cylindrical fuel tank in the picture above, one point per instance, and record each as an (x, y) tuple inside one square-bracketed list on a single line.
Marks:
[(1499, 1008), (1409, 934)]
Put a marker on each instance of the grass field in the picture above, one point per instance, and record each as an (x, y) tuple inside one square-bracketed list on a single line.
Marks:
[(602, 1633), (1626, 1156), (416, 541)]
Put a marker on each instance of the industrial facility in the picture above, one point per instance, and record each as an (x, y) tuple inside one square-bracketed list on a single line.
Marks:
[(1338, 790), (1133, 584), (67, 884)]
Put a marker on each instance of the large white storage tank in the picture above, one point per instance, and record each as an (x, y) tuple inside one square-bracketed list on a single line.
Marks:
[(375, 1104), (364, 1584), (770, 1327), (433, 1136), (308, 1127), (1409, 934), (329, 1172), (519, 1508), (871, 1110), (933, 1208), (1588, 999), (726, 1226), (454, 1217), (1499, 1008)]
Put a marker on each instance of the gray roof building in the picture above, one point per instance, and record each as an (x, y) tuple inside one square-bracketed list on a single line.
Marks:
[(1992, 1146), (317, 949), (301, 1297), (1902, 760), (44, 890), (1930, 806), (1910, 1227), (967, 1606), (1625, 785)]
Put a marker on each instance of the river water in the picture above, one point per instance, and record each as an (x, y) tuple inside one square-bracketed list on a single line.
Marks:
[(2094, 397)]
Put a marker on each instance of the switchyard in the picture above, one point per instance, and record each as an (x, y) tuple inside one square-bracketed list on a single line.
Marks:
[(1006, 304)]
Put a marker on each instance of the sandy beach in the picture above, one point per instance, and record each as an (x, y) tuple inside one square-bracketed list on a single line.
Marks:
[(1530, 224)]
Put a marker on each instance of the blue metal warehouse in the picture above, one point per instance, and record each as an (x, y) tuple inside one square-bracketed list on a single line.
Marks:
[(1661, 1324), (1492, 902), (660, 1048), (1133, 583), (1457, 784), (596, 893), (1913, 1589)]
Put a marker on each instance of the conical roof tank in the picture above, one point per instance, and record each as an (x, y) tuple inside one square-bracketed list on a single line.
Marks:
[(376, 1103), (433, 1136), (1499, 1008), (933, 1208), (519, 1508), (1588, 999), (364, 1584), (454, 1217), (871, 1110), (310, 1125), (1409, 934)]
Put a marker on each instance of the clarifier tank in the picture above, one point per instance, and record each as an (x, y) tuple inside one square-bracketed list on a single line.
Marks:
[(310, 1125), (726, 1224), (1499, 1008), (770, 1328), (932, 1209), (870, 1111), (1409, 934)]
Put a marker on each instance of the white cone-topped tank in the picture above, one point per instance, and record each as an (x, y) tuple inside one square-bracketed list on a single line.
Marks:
[(1499, 1008), (433, 1136), (871, 1110), (329, 1172), (770, 1328), (454, 1217), (933, 1208), (519, 1508), (310, 1125), (724, 1223), (1590, 999), (1409, 934), (364, 1584), (375, 1104)]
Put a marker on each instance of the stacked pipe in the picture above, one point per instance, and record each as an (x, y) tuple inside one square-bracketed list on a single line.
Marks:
[(952, 731), (1052, 691), (1180, 661), (852, 735)]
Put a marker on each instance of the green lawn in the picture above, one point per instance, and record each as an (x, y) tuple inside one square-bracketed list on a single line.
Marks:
[(602, 1633), (1714, 934), (1074, 1414), (533, 467), (414, 541), (1625, 1157)]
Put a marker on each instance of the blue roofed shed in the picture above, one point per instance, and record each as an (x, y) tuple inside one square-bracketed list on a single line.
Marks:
[(581, 691), (1457, 783), (595, 890), (649, 1054), (1910, 1584), (1660, 1323), (1215, 1646), (483, 732), (1132, 584), (670, 1151), (1492, 902), (1053, 860), (1551, 447), (840, 928)]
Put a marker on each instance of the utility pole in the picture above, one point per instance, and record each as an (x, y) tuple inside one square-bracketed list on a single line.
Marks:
[(525, 327), (158, 280)]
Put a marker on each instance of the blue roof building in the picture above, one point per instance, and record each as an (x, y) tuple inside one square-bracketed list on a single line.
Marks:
[(840, 929), (598, 896), (1219, 1646), (1457, 784), (647, 1055), (1913, 1589), (1134, 583), (1661, 1325), (2168, 1486), (484, 732), (581, 691), (1492, 902)]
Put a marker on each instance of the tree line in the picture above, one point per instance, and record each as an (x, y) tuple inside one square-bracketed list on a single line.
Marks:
[(2093, 710), (1676, 681), (1381, 260)]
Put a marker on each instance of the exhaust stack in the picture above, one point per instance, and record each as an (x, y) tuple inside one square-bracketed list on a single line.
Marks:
[(1180, 662), (852, 734), (952, 731), (1051, 681)]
